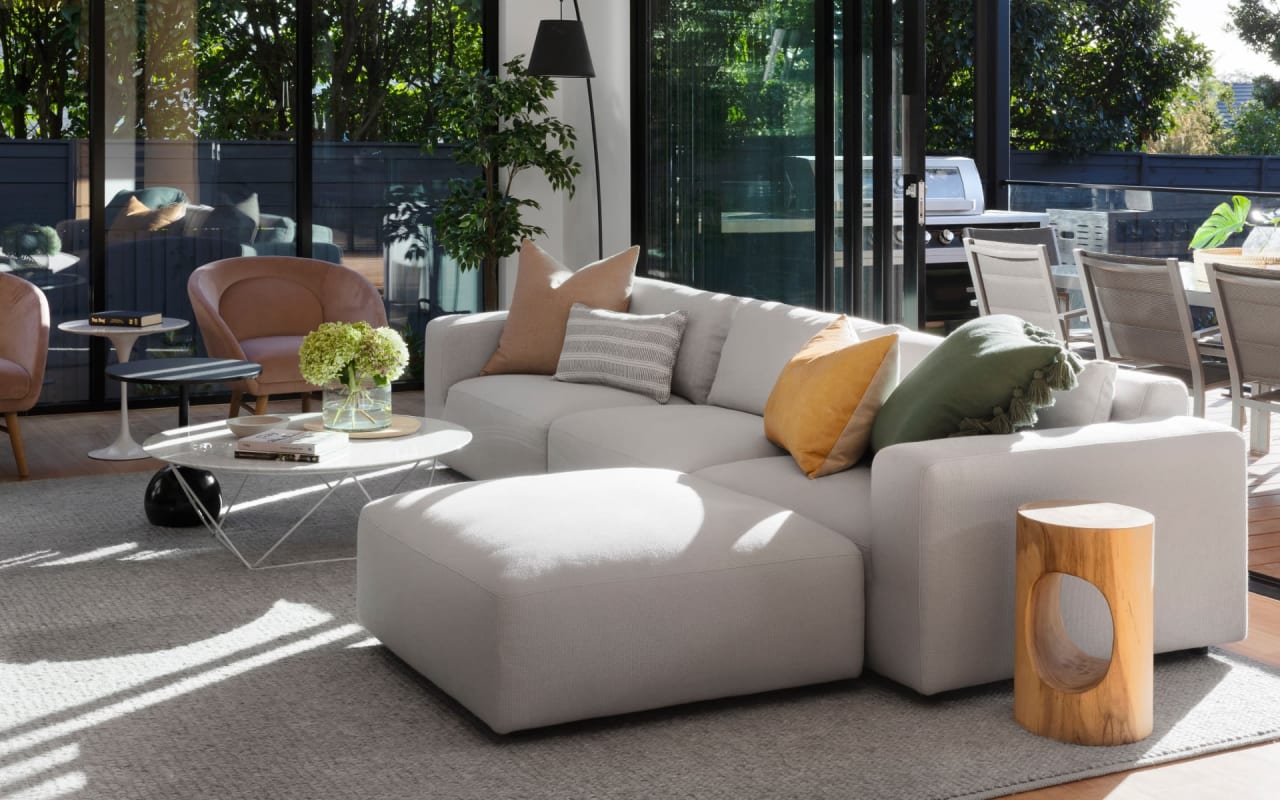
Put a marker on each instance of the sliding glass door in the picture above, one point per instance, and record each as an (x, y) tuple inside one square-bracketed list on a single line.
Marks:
[(774, 160), (142, 139)]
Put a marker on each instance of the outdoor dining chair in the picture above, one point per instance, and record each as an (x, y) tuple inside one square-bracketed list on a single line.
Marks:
[(1247, 300), (1016, 279), (1046, 235), (1140, 317)]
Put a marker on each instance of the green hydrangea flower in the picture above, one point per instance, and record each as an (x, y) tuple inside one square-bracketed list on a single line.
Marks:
[(382, 354), (340, 352)]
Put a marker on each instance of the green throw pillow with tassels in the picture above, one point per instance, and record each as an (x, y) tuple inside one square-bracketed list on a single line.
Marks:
[(989, 376)]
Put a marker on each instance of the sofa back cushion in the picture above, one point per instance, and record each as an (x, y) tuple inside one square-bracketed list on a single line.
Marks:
[(913, 345), (710, 314), (762, 339)]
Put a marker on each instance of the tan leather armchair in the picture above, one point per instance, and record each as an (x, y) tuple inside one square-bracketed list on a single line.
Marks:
[(24, 348), (259, 308)]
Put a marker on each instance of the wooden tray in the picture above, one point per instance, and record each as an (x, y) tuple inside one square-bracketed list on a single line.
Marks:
[(1233, 256), (401, 425)]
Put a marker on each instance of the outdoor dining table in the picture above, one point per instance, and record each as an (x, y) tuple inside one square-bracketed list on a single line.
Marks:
[(1194, 282)]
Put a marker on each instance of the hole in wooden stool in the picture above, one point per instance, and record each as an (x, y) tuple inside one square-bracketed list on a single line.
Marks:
[(1059, 660)]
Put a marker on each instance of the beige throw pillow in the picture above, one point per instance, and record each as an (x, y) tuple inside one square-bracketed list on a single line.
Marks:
[(545, 291), (137, 217)]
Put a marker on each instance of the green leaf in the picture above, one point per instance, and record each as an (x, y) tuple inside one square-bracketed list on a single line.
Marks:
[(1224, 221)]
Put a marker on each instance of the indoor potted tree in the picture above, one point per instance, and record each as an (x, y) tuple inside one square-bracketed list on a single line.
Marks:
[(501, 125)]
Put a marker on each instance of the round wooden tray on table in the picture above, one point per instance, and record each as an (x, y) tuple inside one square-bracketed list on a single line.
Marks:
[(1232, 256), (401, 425)]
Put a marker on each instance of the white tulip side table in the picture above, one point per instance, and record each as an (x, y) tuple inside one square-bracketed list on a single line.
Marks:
[(124, 448)]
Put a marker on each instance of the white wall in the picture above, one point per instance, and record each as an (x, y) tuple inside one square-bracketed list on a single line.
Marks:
[(571, 223)]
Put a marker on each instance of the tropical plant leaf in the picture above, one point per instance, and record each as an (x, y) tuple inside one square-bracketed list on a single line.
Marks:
[(1225, 220)]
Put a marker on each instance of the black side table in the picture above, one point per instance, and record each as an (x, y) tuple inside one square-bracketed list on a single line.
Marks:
[(165, 502)]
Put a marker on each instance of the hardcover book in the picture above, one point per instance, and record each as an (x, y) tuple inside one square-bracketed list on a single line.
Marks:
[(130, 319), (306, 458), (286, 440)]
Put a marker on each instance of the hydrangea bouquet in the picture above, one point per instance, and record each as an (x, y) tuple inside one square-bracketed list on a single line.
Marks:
[(355, 363)]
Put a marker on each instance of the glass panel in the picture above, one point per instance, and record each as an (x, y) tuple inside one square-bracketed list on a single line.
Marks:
[(731, 115), (199, 159), (375, 187), (43, 158), (1142, 222)]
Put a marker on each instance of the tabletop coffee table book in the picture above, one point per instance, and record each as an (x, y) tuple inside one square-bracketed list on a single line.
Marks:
[(291, 445), (126, 318)]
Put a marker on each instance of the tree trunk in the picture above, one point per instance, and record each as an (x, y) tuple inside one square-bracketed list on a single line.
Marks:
[(489, 284)]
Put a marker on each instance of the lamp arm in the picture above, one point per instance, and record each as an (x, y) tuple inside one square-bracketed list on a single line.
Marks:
[(595, 152)]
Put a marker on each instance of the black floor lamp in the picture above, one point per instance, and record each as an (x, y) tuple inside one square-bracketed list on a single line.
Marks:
[(560, 51)]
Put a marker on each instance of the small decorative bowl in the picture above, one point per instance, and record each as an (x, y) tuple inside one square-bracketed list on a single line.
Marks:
[(247, 426)]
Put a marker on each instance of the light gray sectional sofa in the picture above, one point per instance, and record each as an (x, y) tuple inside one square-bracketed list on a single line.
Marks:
[(932, 522)]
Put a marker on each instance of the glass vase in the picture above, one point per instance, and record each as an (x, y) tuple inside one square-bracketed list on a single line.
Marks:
[(362, 406)]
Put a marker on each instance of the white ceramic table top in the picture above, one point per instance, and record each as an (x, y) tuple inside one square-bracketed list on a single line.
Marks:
[(82, 327), (211, 446)]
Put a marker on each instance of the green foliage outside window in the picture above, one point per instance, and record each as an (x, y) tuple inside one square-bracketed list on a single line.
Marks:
[(228, 70), (1086, 75)]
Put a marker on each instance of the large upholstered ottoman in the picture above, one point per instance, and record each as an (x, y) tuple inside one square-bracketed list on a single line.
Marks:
[(542, 599)]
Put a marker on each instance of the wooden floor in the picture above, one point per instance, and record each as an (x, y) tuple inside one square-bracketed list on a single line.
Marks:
[(56, 446), (1264, 496)]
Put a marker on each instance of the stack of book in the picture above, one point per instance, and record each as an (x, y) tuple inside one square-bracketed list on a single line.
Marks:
[(284, 444)]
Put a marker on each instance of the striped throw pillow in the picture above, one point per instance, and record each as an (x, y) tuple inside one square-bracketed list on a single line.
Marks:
[(635, 352)]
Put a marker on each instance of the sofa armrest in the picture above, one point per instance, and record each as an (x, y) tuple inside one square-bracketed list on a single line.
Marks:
[(940, 582), (456, 347), (1145, 394)]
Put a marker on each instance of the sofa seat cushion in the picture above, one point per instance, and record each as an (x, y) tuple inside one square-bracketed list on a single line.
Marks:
[(509, 415), (683, 437), (842, 501), (15, 381), (549, 598)]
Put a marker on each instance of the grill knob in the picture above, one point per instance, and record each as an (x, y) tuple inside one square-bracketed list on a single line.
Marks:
[(946, 236)]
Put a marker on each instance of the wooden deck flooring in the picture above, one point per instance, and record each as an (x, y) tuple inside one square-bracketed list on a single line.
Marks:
[(1264, 494)]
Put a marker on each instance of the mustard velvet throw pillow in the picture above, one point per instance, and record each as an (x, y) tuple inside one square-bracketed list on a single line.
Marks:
[(988, 376), (824, 402), (545, 290)]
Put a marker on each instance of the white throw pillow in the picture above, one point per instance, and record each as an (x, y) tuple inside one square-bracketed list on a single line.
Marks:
[(1089, 402), (635, 352)]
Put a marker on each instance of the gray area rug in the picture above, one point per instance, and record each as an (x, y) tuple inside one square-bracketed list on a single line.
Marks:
[(140, 662)]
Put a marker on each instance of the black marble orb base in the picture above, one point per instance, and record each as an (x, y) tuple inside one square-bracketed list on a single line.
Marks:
[(167, 505)]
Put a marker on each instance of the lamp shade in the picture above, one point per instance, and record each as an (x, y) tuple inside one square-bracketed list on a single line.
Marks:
[(560, 50)]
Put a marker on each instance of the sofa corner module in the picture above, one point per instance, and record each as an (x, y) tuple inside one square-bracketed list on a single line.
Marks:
[(940, 602)]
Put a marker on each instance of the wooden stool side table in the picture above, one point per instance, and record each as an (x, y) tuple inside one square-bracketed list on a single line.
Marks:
[(1059, 691)]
